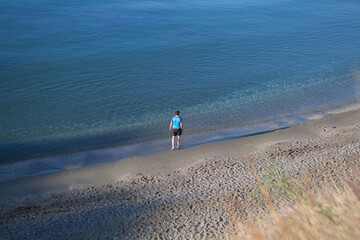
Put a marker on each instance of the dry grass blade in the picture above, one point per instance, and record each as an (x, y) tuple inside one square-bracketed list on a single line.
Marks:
[(307, 190), (255, 232), (353, 188), (264, 191), (332, 215)]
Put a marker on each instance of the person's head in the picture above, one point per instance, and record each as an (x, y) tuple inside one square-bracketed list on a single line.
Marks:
[(177, 112)]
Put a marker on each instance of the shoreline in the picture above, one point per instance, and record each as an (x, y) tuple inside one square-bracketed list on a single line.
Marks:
[(110, 154), (156, 163), (178, 194), (169, 161)]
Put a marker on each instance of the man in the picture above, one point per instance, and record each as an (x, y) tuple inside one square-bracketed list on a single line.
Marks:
[(176, 128)]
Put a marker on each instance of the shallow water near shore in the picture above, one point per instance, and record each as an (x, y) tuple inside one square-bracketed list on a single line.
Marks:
[(59, 162), (76, 160), (82, 75)]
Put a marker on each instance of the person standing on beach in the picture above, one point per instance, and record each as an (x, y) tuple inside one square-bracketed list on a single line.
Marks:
[(176, 127)]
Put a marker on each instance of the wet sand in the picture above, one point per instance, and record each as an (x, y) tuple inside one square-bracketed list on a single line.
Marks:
[(180, 194)]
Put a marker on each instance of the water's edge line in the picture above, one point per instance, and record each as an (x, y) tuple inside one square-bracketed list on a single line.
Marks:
[(186, 133), (306, 117)]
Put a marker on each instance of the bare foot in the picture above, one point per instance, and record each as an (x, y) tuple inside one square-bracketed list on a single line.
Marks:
[(172, 149)]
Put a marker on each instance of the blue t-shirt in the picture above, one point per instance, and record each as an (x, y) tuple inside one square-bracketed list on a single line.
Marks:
[(176, 122)]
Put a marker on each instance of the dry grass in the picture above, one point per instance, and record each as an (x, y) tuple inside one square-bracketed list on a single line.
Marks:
[(327, 216)]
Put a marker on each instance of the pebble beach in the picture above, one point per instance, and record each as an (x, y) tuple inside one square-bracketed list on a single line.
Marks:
[(186, 194)]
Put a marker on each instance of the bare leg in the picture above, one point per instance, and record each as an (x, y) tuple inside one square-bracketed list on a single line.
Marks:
[(178, 142), (172, 142)]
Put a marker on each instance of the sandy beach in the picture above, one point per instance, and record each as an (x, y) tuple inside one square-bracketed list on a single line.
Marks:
[(180, 194)]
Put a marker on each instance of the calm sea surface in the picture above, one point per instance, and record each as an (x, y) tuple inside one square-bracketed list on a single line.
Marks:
[(78, 75)]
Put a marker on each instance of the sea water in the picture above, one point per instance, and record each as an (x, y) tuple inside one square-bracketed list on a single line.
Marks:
[(82, 75)]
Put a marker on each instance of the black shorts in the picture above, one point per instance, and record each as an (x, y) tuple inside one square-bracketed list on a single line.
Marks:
[(176, 131)]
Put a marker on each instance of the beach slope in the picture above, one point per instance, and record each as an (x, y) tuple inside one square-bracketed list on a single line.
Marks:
[(180, 194)]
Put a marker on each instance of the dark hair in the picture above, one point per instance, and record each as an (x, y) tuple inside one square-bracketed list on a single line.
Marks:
[(177, 112)]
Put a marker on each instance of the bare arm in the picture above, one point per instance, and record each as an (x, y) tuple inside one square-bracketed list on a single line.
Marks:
[(181, 125), (170, 126)]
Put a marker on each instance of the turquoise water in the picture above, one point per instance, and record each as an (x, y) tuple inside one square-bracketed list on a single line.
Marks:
[(79, 75)]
